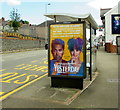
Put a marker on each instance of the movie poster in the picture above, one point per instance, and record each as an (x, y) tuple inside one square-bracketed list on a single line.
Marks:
[(66, 50), (115, 24)]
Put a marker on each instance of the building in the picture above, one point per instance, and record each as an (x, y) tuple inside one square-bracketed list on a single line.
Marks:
[(4, 25), (37, 31), (42, 29), (27, 30), (102, 12), (108, 17), (110, 37)]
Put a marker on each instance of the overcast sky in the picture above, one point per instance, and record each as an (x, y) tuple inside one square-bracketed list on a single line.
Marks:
[(34, 10)]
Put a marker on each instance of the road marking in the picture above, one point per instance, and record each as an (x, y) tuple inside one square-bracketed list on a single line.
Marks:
[(19, 65), (26, 80), (26, 65), (1, 93), (45, 62), (10, 77), (21, 87), (42, 68), (3, 70), (8, 80), (32, 67), (34, 61), (29, 68), (6, 74)]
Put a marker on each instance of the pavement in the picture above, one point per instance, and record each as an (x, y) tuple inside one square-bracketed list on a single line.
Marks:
[(101, 92), (20, 50)]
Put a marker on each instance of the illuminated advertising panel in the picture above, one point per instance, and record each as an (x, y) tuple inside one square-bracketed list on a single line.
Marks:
[(66, 56), (115, 24)]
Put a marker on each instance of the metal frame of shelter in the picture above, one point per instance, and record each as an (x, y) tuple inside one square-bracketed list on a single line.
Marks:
[(118, 44), (90, 24)]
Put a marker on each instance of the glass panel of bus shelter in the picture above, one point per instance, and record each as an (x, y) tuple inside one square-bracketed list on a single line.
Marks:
[(94, 51), (87, 49)]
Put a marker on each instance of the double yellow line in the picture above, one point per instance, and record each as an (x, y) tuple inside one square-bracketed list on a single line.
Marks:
[(21, 87)]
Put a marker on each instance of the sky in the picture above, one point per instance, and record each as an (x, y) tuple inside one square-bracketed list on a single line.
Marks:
[(34, 10)]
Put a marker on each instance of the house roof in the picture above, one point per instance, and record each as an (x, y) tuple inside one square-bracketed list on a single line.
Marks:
[(3, 23), (61, 17), (103, 11)]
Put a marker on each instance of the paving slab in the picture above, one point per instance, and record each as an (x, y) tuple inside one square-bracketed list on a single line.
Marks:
[(46, 93)]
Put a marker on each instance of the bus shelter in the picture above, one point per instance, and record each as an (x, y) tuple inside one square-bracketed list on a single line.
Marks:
[(71, 30)]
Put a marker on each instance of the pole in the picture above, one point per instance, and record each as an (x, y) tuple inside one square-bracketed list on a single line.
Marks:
[(90, 54), (46, 27)]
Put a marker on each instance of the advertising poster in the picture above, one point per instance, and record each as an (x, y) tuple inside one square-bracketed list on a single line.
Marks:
[(115, 24), (66, 57)]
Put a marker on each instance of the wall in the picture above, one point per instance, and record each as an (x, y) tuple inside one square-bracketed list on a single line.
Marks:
[(24, 30), (34, 31), (16, 44), (109, 37), (41, 31)]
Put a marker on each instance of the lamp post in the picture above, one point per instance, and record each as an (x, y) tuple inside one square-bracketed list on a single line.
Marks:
[(46, 27)]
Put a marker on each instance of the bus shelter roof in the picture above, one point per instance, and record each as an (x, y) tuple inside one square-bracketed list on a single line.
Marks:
[(62, 17)]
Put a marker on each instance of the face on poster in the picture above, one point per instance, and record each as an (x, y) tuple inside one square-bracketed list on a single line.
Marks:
[(66, 45), (115, 24)]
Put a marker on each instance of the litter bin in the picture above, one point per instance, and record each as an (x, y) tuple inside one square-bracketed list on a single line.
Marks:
[(118, 44), (46, 46)]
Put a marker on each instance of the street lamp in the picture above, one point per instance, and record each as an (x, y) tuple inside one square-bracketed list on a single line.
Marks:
[(46, 28)]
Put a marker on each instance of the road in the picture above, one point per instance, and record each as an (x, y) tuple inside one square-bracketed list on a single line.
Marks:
[(21, 68)]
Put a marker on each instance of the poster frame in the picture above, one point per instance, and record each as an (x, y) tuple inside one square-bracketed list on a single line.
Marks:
[(112, 32), (83, 50), (117, 44)]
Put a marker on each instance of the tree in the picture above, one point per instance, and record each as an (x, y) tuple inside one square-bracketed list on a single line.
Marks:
[(15, 19), (24, 22)]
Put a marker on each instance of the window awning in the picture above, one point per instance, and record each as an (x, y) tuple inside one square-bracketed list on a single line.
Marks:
[(61, 17)]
